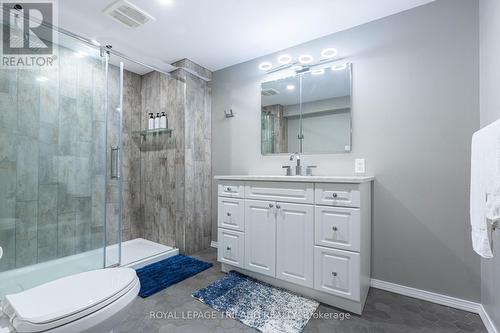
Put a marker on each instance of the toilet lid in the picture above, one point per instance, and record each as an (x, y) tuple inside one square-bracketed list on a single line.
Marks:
[(69, 296)]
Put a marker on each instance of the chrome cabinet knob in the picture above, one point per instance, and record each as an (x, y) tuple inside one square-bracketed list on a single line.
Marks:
[(271, 205), (334, 195), (228, 189), (228, 214), (278, 206), (334, 274), (334, 228), (228, 248)]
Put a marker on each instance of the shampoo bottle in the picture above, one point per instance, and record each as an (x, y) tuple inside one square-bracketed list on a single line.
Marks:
[(151, 122), (163, 120), (157, 121)]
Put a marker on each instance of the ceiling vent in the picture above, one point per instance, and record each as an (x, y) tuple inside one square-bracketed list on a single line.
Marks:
[(128, 14), (269, 92)]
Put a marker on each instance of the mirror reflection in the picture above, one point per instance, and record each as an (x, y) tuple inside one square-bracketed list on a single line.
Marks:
[(307, 113)]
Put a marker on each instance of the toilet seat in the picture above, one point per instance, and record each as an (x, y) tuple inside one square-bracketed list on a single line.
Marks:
[(69, 300)]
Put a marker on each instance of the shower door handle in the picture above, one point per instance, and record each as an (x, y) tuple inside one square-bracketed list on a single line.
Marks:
[(115, 170)]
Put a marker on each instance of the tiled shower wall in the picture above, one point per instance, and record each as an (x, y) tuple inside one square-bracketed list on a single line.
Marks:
[(51, 161), (176, 171)]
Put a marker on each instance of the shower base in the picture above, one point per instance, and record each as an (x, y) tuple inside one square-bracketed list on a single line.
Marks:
[(136, 253)]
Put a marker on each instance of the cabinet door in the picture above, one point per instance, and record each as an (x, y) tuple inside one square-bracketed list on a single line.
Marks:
[(260, 237), (231, 214), (295, 243), (230, 249), (337, 272)]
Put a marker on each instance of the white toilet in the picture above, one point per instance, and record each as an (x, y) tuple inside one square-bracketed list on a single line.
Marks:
[(93, 301)]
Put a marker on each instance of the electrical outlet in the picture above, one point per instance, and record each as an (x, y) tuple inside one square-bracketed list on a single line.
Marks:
[(359, 165)]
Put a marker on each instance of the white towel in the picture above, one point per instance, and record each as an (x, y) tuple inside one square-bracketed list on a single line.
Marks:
[(485, 186)]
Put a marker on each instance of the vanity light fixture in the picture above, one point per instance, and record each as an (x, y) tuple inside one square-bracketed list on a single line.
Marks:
[(306, 59), (297, 68), (329, 53), (318, 71), (80, 54), (290, 87), (339, 67), (265, 66), (284, 59), (42, 79)]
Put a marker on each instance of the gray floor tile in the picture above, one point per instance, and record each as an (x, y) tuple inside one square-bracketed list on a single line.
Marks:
[(384, 312)]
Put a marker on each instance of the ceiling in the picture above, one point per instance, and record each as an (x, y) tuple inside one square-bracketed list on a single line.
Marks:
[(220, 33)]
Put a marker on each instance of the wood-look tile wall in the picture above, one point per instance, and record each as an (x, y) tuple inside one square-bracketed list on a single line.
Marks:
[(167, 180)]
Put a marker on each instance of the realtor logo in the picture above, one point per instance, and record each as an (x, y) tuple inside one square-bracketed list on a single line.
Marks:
[(27, 34)]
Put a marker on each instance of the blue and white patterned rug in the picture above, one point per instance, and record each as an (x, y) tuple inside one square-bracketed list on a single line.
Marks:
[(257, 304)]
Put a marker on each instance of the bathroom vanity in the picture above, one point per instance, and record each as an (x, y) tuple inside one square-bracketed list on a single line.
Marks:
[(308, 234)]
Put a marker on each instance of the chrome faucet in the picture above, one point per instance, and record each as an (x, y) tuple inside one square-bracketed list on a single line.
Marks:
[(298, 168)]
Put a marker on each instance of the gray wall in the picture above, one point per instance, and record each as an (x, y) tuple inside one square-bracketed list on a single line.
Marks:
[(489, 12), (415, 107)]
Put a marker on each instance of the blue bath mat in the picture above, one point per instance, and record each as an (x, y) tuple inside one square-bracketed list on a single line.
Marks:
[(257, 304), (163, 274)]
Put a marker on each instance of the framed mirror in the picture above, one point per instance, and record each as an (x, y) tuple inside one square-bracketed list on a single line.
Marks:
[(309, 112)]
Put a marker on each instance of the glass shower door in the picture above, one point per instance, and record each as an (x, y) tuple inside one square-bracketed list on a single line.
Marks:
[(114, 199), (53, 167)]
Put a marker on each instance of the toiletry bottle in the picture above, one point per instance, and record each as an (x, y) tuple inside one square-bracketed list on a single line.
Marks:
[(163, 120), (157, 121), (151, 122)]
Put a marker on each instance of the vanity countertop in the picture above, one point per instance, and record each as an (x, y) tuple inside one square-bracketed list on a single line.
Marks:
[(304, 179)]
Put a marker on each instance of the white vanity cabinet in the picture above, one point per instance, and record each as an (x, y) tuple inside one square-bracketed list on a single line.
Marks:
[(311, 235)]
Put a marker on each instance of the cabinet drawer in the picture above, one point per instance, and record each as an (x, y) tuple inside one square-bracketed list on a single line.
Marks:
[(337, 272), (230, 248), (280, 191), (347, 195), (337, 227), (231, 213), (232, 189)]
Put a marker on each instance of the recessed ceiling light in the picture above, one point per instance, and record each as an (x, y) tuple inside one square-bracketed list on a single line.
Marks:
[(290, 87), (42, 79), (318, 71), (329, 53), (340, 67), (284, 59), (265, 66), (95, 42), (306, 59)]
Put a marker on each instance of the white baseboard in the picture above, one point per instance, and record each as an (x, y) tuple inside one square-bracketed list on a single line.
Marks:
[(488, 323), (452, 302)]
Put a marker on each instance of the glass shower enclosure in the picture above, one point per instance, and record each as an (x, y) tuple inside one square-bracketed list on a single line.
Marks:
[(60, 166)]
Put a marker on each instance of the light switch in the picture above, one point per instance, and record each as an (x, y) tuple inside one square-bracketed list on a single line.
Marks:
[(359, 165)]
